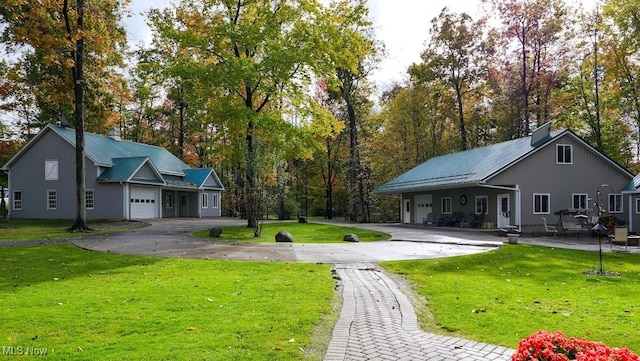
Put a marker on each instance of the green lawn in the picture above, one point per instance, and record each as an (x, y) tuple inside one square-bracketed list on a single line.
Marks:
[(502, 296), (46, 229), (301, 232), (81, 305), (84, 305)]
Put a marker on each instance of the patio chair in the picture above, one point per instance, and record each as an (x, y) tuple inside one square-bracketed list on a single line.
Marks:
[(548, 228)]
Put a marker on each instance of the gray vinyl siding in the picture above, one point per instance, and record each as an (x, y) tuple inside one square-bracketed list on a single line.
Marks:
[(145, 172), (109, 201), (27, 175), (213, 209), (539, 173)]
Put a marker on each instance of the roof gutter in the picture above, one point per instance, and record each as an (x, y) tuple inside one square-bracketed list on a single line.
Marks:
[(518, 205)]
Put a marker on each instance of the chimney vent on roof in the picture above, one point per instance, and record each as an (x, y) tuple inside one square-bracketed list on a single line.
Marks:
[(114, 134), (541, 135)]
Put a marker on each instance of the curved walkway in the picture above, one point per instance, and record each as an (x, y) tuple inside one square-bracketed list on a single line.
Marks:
[(379, 323)]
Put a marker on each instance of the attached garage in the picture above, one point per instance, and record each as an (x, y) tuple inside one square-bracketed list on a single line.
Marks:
[(143, 202)]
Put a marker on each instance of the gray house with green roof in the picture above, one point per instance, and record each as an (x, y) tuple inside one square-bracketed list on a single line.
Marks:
[(515, 184), (123, 180)]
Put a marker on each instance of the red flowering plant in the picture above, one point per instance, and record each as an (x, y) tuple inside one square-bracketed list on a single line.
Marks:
[(548, 346)]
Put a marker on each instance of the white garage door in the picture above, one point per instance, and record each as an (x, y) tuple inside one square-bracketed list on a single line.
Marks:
[(143, 203)]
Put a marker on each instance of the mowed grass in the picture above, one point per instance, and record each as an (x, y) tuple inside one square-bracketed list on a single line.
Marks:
[(301, 233), (80, 305), (47, 229), (502, 296)]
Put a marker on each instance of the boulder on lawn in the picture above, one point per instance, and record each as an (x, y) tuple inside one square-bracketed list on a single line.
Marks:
[(215, 232), (351, 238), (284, 236)]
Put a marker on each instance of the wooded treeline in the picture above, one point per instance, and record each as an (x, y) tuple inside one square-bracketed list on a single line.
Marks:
[(278, 95)]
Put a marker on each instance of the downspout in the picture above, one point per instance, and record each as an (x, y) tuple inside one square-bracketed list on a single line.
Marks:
[(518, 200), (631, 211), (125, 198), (9, 196)]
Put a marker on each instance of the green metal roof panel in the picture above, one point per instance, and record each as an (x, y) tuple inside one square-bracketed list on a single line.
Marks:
[(468, 167), (102, 150), (122, 170), (633, 185), (197, 176), (200, 176)]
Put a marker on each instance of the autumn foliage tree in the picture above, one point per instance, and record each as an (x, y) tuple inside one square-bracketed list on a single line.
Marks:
[(54, 40), (36, 33), (255, 60)]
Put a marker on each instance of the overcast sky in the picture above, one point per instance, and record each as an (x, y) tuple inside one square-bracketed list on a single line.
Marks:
[(403, 26)]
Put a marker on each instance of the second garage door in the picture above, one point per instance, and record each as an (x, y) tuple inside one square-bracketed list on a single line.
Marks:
[(143, 203)]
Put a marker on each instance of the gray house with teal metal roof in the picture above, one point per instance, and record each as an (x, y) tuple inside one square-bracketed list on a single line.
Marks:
[(515, 184), (123, 180)]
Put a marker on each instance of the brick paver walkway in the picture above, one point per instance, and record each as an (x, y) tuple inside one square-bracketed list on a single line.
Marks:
[(379, 323)]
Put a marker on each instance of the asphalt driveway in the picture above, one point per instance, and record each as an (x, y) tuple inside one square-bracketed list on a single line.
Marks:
[(173, 238)]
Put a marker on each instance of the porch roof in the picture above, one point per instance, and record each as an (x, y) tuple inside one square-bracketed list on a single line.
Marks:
[(633, 186)]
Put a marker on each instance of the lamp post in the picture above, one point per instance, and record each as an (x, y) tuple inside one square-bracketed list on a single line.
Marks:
[(599, 228)]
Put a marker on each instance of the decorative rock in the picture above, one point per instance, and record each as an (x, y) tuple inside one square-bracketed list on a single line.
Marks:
[(215, 232), (284, 236), (351, 238)]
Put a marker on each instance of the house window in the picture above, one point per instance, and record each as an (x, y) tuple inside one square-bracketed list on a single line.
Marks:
[(89, 199), (446, 205), (615, 203), (482, 204), (17, 200), (205, 200), (52, 199), (564, 154), (168, 200), (541, 203), (51, 170), (214, 201), (579, 201), (638, 205)]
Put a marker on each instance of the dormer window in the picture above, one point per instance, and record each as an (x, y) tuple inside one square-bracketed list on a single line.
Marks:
[(564, 154)]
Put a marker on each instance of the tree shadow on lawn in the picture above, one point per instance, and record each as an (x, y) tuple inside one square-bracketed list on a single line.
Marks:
[(27, 266)]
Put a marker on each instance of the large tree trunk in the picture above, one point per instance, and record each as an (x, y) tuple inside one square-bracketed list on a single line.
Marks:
[(329, 181), (80, 223), (251, 198), (463, 129)]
